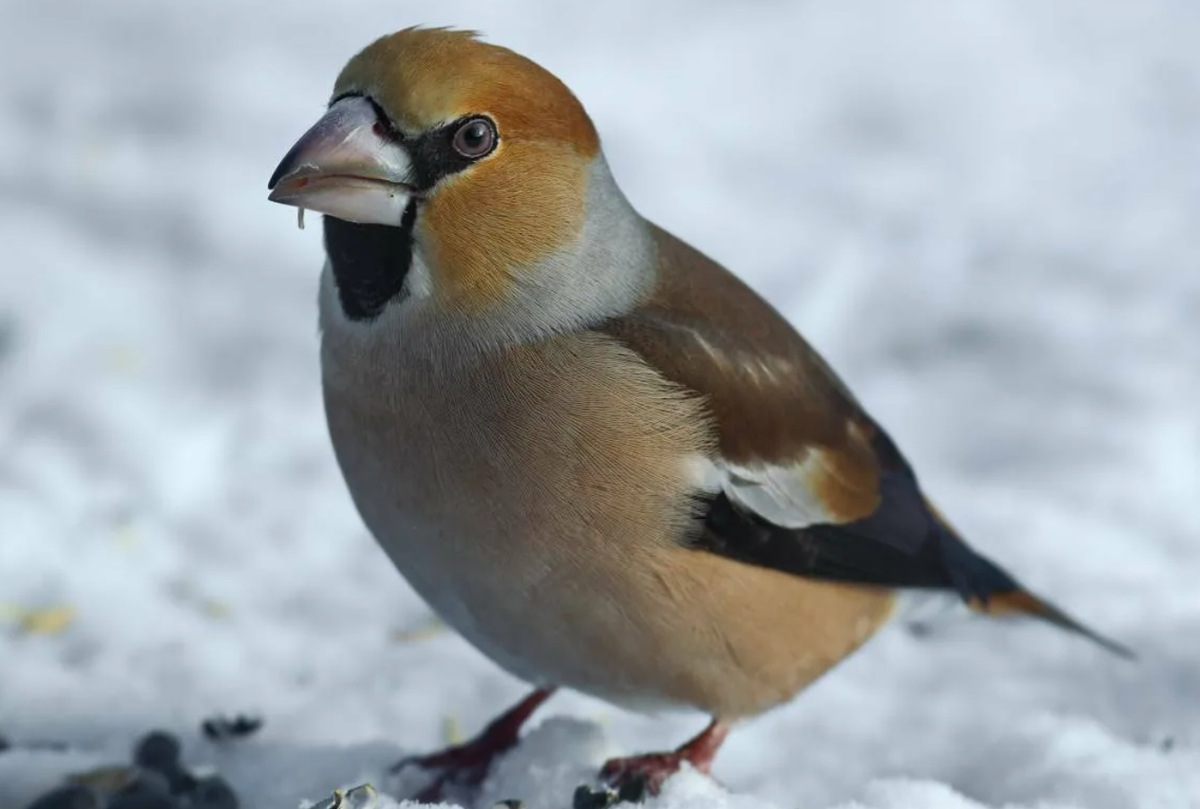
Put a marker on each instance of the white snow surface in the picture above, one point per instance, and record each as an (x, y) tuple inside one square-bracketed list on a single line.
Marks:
[(985, 213)]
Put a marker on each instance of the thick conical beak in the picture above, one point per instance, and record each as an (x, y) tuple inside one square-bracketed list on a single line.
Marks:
[(348, 166)]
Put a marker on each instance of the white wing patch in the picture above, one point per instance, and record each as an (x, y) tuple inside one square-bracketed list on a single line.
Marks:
[(781, 495)]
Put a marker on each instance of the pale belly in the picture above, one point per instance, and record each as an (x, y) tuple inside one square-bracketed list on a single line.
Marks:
[(543, 523), (510, 608), (488, 492), (544, 602)]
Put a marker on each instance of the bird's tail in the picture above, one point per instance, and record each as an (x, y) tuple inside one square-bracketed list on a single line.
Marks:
[(1019, 601), (988, 589)]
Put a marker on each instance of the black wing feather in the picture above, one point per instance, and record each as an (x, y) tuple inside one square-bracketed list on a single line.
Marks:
[(903, 543)]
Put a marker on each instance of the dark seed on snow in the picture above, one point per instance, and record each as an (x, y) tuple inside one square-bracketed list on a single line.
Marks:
[(220, 728), (213, 792), (587, 798), (157, 750), (71, 796)]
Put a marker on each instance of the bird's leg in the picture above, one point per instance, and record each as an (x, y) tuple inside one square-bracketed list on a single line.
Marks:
[(467, 764), (652, 769)]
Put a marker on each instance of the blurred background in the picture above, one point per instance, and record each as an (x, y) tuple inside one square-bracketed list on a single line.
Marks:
[(985, 214)]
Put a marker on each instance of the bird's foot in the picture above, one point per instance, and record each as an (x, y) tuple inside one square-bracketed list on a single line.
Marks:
[(636, 777), (463, 767), (644, 774)]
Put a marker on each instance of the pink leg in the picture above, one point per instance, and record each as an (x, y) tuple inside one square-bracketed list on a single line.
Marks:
[(467, 764), (655, 768)]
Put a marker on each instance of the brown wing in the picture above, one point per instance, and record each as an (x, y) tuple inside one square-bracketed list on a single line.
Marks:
[(808, 482), (780, 411), (774, 400)]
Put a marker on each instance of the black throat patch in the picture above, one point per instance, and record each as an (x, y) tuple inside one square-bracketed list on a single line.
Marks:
[(369, 262)]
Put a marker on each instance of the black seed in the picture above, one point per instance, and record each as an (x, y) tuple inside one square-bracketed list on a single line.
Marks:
[(587, 798), (213, 793), (157, 750), (72, 796), (220, 728)]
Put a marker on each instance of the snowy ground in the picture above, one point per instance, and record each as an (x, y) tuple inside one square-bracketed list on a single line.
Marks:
[(984, 212)]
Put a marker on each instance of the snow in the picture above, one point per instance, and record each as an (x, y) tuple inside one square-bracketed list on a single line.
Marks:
[(983, 213)]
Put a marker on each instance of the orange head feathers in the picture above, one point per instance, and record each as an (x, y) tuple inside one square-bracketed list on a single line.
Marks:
[(481, 157), (424, 77)]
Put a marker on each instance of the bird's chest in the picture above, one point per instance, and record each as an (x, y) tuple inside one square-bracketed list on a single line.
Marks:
[(438, 472), (511, 489)]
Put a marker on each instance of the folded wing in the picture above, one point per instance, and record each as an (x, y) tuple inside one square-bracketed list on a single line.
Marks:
[(803, 480)]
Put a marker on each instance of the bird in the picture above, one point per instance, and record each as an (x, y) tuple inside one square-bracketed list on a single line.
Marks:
[(598, 455)]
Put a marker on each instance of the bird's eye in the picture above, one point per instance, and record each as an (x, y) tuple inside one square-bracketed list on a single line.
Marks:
[(475, 138)]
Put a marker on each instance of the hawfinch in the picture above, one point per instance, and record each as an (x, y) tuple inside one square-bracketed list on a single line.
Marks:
[(595, 452)]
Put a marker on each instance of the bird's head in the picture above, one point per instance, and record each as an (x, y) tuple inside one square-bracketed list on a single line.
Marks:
[(451, 169)]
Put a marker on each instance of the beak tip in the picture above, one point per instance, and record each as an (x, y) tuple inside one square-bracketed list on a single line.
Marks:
[(276, 176), (288, 165)]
